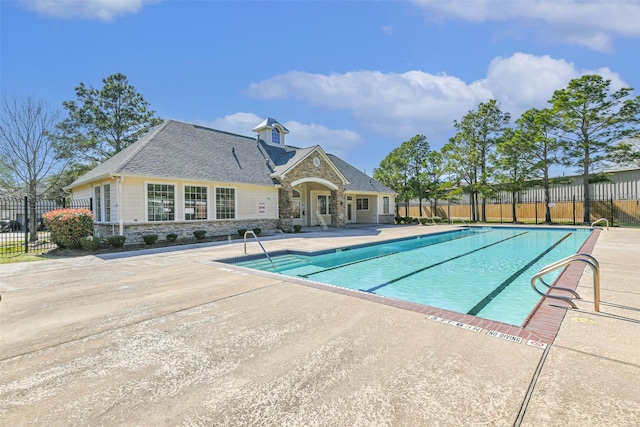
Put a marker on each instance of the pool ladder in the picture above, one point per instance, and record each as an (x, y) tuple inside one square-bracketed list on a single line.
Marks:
[(260, 243), (600, 220), (585, 258)]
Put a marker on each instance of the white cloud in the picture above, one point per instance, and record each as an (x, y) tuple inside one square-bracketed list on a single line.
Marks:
[(104, 10), (591, 24), (387, 29), (391, 104), (402, 105), (334, 141), (238, 123)]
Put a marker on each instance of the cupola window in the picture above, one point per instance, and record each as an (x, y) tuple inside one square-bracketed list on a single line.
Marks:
[(275, 136)]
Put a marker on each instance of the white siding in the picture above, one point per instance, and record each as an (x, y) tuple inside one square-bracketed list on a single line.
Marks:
[(254, 202), (84, 192)]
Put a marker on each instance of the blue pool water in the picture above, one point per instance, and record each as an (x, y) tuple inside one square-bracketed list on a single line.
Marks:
[(483, 271)]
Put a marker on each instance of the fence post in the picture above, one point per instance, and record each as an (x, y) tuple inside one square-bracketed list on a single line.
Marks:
[(500, 203), (535, 208), (26, 224), (574, 208)]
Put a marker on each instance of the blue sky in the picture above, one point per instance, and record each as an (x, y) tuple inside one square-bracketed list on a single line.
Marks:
[(356, 77)]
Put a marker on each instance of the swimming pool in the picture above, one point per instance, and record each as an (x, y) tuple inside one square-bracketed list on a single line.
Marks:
[(482, 271)]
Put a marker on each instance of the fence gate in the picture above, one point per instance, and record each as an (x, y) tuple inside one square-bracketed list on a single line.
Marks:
[(16, 236)]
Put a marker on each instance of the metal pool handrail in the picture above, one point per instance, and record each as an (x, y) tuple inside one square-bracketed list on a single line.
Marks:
[(587, 259), (600, 220), (459, 219), (260, 243)]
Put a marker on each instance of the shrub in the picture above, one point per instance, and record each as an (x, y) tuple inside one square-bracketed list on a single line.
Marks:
[(407, 220), (199, 234), (172, 237), (150, 239), (116, 241), (68, 226), (424, 221), (257, 230), (398, 219), (297, 228), (91, 243), (241, 231)]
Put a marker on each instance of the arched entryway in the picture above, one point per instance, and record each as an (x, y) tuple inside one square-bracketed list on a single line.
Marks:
[(317, 202)]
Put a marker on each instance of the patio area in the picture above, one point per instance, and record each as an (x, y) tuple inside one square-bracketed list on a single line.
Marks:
[(171, 337)]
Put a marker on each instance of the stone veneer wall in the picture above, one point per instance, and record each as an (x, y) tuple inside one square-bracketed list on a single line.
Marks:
[(306, 169), (285, 194), (184, 229), (386, 219)]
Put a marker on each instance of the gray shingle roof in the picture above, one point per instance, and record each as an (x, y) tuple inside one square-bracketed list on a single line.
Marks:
[(358, 181), (185, 151)]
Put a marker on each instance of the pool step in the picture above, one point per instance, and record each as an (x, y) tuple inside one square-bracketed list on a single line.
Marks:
[(282, 262)]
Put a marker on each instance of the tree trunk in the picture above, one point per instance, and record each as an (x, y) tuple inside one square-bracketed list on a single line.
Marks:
[(514, 207), (484, 209), (585, 186), (547, 198), (33, 220)]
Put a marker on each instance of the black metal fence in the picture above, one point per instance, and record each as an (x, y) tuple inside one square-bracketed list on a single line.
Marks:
[(17, 235), (618, 211)]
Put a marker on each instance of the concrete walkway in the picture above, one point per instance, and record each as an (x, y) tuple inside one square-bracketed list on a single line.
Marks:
[(172, 338)]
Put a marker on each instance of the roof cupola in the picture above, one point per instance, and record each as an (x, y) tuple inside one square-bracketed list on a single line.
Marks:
[(271, 132)]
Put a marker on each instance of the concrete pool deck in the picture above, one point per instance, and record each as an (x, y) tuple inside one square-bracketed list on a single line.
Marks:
[(169, 337)]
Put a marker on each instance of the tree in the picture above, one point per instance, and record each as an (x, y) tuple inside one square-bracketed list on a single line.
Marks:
[(104, 121), (416, 151), (407, 170), (393, 172), (535, 129), (7, 183), (26, 130), (593, 123), (57, 182), (514, 166), (469, 150), (436, 186), (626, 153)]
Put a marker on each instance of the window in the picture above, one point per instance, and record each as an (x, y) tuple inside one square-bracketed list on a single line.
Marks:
[(97, 209), (275, 136), (296, 205), (362, 204), (295, 209), (161, 204), (225, 203), (195, 203), (106, 189), (385, 204), (324, 204)]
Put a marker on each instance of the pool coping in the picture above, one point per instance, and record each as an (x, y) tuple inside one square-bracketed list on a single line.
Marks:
[(540, 327)]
